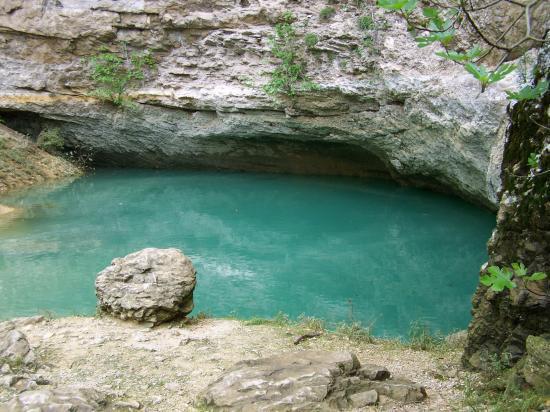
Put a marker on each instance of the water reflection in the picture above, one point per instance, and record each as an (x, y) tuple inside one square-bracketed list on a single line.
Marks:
[(261, 243)]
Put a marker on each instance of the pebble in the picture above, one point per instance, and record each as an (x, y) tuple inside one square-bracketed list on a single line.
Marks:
[(172, 386), (128, 404)]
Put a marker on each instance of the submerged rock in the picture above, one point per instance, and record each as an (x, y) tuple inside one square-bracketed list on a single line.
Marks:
[(152, 285), (308, 380), (14, 345)]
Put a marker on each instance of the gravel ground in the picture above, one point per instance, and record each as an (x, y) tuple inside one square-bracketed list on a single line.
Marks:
[(165, 368)]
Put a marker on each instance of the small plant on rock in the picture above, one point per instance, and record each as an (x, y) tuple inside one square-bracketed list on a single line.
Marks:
[(498, 279), (311, 40), (366, 22), (50, 140), (327, 13), (289, 77), (113, 74)]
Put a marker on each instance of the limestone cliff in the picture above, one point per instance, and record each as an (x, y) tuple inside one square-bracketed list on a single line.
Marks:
[(502, 321), (384, 106)]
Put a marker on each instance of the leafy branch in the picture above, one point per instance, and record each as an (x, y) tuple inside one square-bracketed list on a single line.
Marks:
[(439, 23)]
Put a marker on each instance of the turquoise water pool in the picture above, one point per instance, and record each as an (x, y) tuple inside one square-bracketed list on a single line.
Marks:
[(335, 248)]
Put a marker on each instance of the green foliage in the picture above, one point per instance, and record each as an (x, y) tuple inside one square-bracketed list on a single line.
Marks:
[(311, 39), (355, 331), (405, 5), (327, 13), (469, 56), (281, 320), (2, 121), (311, 323), (50, 140), (422, 338), (533, 160), (16, 364), (486, 77), (439, 30), (498, 279), (438, 25), (366, 22), (113, 75), (289, 77), (491, 392), (529, 92)]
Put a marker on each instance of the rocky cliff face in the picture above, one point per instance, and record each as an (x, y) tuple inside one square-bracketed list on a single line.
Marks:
[(383, 108), (503, 321)]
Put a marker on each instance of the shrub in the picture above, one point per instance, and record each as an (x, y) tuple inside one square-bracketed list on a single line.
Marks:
[(290, 76), (113, 74), (366, 22), (50, 141), (327, 12), (311, 40)]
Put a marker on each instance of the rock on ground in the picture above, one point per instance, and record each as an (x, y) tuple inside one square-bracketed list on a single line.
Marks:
[(304, 381), (14, 346), (152, 285), (63, 399)]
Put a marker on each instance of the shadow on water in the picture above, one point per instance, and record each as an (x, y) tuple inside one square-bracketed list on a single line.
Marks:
[(261, 243)]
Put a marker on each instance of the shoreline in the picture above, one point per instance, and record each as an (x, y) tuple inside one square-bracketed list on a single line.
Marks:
[(167, 367)]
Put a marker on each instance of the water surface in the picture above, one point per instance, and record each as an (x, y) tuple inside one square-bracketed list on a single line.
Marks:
[(335, 248)]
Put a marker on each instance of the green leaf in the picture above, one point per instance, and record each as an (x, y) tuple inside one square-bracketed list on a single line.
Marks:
[(498, 279), (410, 5), (461, 57), (529, 92), (533, 160), (430, 12), (519, 269), (486, 280), (536, 276), (501, 72), (392, 4)]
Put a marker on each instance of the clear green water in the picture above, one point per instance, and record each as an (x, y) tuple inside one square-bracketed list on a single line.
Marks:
[(261, 244)]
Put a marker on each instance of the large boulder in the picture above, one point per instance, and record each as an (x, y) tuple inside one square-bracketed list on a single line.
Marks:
[(305, 381), (14, 346), (152, 285)]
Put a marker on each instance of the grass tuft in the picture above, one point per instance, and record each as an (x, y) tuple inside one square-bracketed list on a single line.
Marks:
[(422, 338), (355, 331)]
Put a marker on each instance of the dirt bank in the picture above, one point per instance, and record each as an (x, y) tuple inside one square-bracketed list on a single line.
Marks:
[(22, 163)]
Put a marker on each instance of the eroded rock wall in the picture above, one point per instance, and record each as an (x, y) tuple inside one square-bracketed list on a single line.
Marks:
[(412, 115), (503, 321)]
